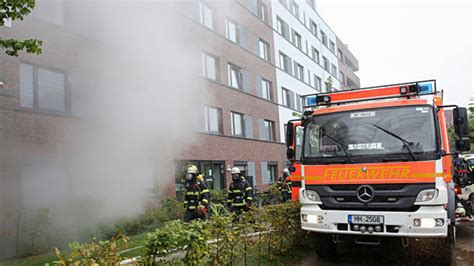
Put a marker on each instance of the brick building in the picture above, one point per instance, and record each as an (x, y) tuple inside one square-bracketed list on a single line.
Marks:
[(239, 122)]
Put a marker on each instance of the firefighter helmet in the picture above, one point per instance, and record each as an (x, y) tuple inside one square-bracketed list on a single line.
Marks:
[(235, 170), (286, 171), (192, 170)]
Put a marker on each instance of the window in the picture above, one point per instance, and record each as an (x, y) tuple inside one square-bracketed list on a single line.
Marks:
[(237, 124), (262, 11), (287, 97), (283, 28), (205, 16), (315, 55), (209, 66), (235, 76), (297, 39), (272, 172), (266, 129), (317, 83), (313, 28), (299, 71), (332, 47), (295, 9), (285, 63), (324, 38), (299, 102), (269, 130), (342, 77), (333, 70), (263, 49), (232, 31), (326, 64), (266, 89), (212, 119), (339, 54), (42, 88)]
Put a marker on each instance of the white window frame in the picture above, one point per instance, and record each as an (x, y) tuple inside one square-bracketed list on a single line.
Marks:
[(264, 54), (270, 129), (229, 25), (297, 40), (204, 12), (238, 70), (207, 119), (283, 62), (299, 71), (266, 89), (332, 46), (206, 64), (233, 116), (285, 100), (326, 64)]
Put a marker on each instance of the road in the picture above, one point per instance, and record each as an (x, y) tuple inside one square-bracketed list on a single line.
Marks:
[(463, 253)]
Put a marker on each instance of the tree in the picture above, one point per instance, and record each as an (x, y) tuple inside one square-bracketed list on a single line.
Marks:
[(11, 10)]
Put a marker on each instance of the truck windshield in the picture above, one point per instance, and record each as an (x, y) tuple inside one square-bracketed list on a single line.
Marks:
[(401, 133)]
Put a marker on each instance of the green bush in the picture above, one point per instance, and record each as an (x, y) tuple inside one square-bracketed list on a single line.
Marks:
[(94, 252), (230, 236)]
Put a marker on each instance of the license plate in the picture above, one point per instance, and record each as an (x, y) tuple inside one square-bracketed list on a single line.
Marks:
[(365, 219)]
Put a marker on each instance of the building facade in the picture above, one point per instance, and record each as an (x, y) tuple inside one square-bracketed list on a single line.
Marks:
[(307, 54), (247, 63), (240, 123)]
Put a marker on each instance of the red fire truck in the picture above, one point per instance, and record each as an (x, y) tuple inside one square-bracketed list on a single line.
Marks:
[(375, 163)]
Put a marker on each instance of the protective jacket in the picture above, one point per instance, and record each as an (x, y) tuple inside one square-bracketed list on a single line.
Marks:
[(196, 193), (240, 194)]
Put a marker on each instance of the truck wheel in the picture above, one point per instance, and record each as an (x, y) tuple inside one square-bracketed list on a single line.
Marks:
[(451, 203), (324, 246), (446, 248)]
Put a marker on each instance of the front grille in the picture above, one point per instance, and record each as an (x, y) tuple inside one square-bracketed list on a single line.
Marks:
[(387, 197)]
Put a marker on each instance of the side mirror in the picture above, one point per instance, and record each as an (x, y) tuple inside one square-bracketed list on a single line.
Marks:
[(461, 122), (289, 134), (463, 144), (290, 154)]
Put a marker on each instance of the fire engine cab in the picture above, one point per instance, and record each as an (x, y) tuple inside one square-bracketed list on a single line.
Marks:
[(375, 163)]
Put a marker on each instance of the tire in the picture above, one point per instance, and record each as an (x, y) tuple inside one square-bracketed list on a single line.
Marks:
[(446, 248), (451, 203), (323, 246)]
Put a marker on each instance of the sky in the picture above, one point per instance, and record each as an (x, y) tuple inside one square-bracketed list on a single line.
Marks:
[(408, 40)]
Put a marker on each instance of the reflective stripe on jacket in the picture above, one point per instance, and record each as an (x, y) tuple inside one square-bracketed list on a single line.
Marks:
[(240, 193)]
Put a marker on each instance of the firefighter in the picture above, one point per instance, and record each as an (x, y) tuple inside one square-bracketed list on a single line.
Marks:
[(240, 193), (284, 185), (196, 199)]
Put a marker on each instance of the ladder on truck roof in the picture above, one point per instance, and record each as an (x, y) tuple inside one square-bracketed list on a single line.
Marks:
[(408, 89)]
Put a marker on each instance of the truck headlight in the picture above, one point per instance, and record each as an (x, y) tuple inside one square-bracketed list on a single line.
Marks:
[(426, 195), (312, 195)]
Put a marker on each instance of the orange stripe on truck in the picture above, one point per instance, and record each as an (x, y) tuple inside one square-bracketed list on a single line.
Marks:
[(407, 172)]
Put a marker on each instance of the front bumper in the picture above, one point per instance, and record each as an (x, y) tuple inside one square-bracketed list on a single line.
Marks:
[(336, 221)]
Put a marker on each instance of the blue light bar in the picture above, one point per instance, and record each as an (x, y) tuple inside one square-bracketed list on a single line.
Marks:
[(425, 88), (311, 100)]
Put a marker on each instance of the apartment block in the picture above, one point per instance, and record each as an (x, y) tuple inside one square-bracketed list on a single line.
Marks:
[(307, 52)]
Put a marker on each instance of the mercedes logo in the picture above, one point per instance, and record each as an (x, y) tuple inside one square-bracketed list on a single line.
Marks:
[(364, 169), (365, 193)]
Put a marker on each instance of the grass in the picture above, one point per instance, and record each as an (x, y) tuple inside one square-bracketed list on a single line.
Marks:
[(48, 258), (31, 261)]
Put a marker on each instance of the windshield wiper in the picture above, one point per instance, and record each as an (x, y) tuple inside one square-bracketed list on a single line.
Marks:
[(405, 142), (342, 144)]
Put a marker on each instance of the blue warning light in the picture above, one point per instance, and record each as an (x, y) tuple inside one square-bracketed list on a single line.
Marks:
[(425, 88)]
